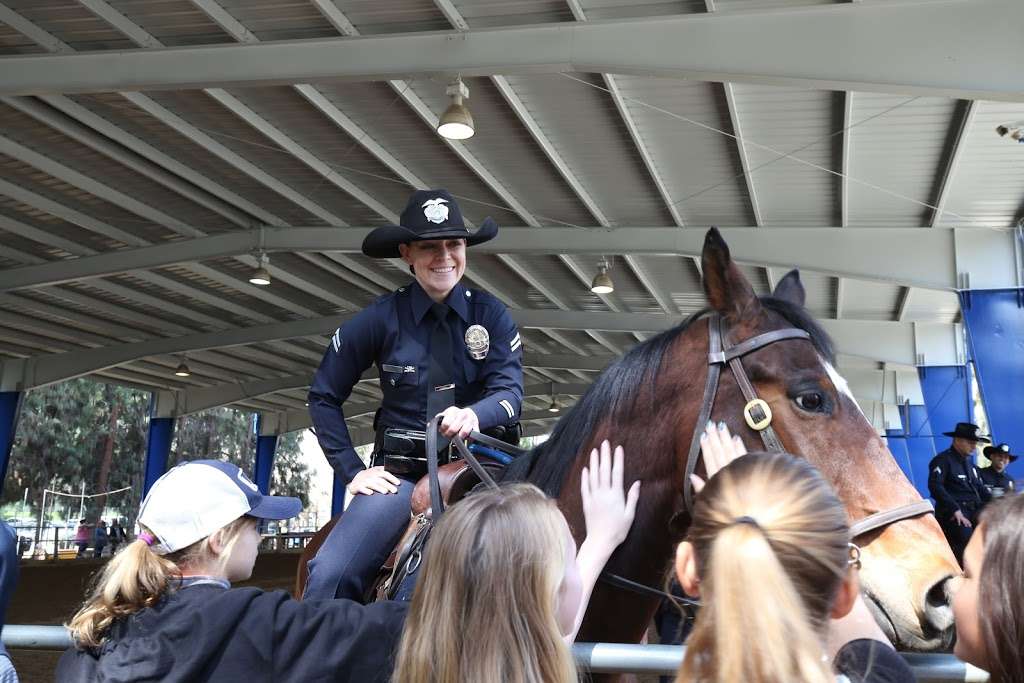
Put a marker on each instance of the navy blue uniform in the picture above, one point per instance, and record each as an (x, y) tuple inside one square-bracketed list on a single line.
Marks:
[(997, 483), (392, 334), (955, 484)]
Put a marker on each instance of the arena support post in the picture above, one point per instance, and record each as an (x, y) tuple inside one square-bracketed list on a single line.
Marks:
[(158, 443), (10, 407), (266, 447)]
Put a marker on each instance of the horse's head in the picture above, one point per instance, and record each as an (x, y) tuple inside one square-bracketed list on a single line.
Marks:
[(907, 565)]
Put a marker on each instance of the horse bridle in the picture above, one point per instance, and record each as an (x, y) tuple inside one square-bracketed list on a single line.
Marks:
[(758, 415)]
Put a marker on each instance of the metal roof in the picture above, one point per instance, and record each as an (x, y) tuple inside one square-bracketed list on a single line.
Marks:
[(84, 174)]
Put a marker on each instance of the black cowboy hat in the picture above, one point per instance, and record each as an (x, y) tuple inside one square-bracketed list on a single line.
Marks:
[(966, 430), (429, 215), (1001, 449)]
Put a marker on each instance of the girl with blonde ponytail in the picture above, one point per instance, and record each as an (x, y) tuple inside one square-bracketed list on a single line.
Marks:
[(769, 554), (163, 608)]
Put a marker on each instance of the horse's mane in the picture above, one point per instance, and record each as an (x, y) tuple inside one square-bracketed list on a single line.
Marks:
[(617, 389)]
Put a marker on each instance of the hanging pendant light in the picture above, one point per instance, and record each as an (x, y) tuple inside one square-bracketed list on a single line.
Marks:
[(261, 276), (456, 122), (182, 370), (602, 283)]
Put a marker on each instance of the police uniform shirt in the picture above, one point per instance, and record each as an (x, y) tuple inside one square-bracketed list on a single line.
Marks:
[(997, 483), (394, 333), (953, 480)]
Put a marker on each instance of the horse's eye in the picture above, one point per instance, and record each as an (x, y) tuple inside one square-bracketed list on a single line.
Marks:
[(811, 401)]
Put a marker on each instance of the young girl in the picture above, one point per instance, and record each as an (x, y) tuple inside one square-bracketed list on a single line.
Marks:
[(163, 608), (502, 591), (989, 606), (769, 554)]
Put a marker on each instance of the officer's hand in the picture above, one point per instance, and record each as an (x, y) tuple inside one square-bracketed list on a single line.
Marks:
[(373, 480), (459, 421), (962, 520)]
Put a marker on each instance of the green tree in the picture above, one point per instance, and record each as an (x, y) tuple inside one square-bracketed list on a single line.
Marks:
[(83, 432)]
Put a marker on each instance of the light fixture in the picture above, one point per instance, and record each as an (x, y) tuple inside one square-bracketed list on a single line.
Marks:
[(553, 408), (602, 283), (182, 370), (456, 122), (261, 276), (1014, 131)]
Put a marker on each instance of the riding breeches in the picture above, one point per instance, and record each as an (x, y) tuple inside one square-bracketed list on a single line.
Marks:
[(359, 544)]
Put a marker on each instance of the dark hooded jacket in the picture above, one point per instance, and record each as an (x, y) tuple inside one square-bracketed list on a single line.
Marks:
[(206, 632)]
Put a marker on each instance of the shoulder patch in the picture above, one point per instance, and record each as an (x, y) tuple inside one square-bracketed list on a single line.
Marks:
[(937, 470), (516, 342), (336, 340)]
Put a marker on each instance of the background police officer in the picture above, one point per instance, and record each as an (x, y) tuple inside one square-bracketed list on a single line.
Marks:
[(441, 348), (957, 488), (995, 478)]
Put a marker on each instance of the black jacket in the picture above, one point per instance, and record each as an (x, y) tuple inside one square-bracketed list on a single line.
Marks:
[(208, 633), (955, 484)]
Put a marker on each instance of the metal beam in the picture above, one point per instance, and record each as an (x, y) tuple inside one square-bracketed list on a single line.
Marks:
[(904, 256), (886, 341), (959, 142), (194, 400), (875, 47)]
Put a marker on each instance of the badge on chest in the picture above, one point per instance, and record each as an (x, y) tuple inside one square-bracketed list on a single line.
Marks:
[(478, 342)]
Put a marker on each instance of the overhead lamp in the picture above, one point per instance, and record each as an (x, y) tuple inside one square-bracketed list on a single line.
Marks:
[(182, 370), (553, 408), (602, 283), (456, 122), (261, 276), (1014, 131)]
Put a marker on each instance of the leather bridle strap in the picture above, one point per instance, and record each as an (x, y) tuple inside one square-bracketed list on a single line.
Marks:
[(887, 517), (720, 352)]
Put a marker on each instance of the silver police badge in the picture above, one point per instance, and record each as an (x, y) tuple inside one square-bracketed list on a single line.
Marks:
[(478, 342)]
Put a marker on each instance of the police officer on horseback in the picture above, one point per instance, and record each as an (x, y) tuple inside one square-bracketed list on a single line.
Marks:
[(957, 487), (441, 349)]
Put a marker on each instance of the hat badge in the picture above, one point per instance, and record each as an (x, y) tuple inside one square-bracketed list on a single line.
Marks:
[(435, 210)]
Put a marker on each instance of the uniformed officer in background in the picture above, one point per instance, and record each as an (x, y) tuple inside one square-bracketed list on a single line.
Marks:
[(441, 349), (956, 486), (995, 478)]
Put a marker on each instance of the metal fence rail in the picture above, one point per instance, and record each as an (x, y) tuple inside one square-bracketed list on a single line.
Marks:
[(595, 657)]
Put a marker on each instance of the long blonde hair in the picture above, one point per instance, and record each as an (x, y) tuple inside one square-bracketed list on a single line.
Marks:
[(770, 537), (485, 604), (136, 578)]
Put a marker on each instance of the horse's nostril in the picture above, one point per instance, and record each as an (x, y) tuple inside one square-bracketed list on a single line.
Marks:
[(938, 610)]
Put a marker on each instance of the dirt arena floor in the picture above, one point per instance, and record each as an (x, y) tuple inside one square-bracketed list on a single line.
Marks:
[(49, 593)]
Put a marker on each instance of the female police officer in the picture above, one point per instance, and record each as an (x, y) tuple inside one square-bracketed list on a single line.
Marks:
[(441, 348)]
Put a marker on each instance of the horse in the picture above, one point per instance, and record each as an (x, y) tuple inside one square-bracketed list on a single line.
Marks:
[(650, 402)]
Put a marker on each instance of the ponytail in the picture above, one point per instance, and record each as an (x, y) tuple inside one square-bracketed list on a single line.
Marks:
[(137, 578), (753, 626), (132, 580)]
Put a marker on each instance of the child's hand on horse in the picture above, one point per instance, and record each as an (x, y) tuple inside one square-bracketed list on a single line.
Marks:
[(718, 448), (607, 508), (373, 480)]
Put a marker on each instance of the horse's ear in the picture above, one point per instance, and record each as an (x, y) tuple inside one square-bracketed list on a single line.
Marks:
[(727, 289), (791, 289)]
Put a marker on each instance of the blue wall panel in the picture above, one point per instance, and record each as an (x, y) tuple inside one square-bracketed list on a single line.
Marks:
[(920, 447), (263, 468), (10, 402), (158, 447), (947, 397), (995, 333)]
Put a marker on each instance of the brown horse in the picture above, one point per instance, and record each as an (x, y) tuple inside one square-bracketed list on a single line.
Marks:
[(649, 401)]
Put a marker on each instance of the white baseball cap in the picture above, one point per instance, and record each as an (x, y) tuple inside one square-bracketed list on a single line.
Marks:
[(195, 499)]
